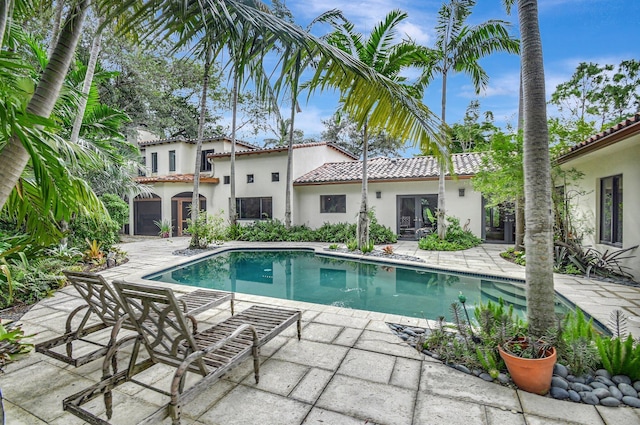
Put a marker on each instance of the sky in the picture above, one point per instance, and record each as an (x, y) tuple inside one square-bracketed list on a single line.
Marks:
[(573, 31)]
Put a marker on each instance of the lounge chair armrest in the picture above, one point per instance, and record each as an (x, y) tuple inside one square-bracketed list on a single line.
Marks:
[(73, 314), (184, 366)]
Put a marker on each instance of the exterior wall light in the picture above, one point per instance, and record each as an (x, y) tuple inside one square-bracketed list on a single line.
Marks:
[(378, 195)]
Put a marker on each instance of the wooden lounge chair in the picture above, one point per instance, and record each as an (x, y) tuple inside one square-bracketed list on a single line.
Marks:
[(104, 307), (164, 332)]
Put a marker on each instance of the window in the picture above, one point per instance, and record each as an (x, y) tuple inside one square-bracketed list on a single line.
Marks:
[(154, 162), (275, 177), (204, 164), (254, 208), (226, 179), (143, 163), (611, 210), (172, 160), (249, 178), (333, 203)]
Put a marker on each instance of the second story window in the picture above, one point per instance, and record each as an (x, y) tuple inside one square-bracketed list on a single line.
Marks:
[(154, 162), (204, 164), (275, 177), (143, 163), (172, 160), (249, 178), (226, 179)]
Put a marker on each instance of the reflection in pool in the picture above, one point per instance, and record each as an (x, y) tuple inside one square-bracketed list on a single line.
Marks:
[(302, 275)]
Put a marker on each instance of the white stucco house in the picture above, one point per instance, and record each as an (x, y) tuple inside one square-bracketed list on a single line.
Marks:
[(326, 187), (610, 195)]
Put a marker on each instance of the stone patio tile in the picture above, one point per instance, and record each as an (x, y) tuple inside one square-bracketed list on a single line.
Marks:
[(436, 410), (378, 326), (246, 405), (312, 385), (546, 407), (311, 353), (42, 396), (348, 337), (362, 399), (319, 416), (618, 415), (277, 377), (537, 420), (320, 332), (341, 320), (445, 381), (406, 373), (386, 343), (373, 367), (15, 415), (497, 416)]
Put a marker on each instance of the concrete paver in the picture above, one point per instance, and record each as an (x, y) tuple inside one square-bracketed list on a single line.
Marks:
[(348, 369)]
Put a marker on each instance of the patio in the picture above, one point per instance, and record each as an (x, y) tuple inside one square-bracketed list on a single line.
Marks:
[(348, 369)]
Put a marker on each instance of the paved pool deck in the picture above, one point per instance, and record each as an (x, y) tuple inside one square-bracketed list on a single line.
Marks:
[(348, 368)]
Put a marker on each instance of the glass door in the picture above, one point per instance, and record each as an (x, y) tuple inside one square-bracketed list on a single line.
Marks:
[(412, 213)]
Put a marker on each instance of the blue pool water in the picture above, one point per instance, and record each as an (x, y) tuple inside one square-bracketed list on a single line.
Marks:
[(323, 279)]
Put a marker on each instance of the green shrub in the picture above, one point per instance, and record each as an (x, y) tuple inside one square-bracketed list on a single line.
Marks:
[(455, 239), (101, 228), (118, 209), (620, 357), (575, 343), (206, 229)]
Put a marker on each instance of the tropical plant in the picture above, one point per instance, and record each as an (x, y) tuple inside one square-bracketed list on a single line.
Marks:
[(11, 343), (164, 228), (94, 251), (458, 48), (620, 357), (456, 238), (378, 51), (117, 208), (206, 229)]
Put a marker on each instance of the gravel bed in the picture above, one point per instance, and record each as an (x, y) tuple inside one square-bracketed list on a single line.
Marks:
[(378, 254), (598, 388)]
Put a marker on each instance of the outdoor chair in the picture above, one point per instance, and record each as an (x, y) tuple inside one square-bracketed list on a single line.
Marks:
[(103, 310), (164, 332)]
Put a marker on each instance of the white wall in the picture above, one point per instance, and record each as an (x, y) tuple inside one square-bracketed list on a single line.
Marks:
[(465, 208), (620, 158)]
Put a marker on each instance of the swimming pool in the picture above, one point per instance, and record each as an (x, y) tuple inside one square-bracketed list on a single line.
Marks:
[(303, 275)]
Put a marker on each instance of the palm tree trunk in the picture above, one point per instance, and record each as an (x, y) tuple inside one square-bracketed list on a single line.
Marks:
[(88, 79), (442, 226), (57, 17), (363, 215), (287, 208), (4, 18), (14, 157), (519, 242), (537, 176), (195, 200), (233, 215)]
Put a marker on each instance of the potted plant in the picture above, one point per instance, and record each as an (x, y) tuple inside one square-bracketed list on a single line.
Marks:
[(164, 227), (529, 362)]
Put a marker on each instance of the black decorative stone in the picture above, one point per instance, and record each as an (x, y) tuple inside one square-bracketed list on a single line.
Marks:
[(615, 392), (604, 380), (589, 398), (610, 402), (636, 386), (601, 393), (559, 393), (627, 390), (631, 401), (574, 396), (560, 370), (603, 372), (557, 381), (596, 384), (576, 386), (621, 379), (486, 377), (504, 379), (462, 368)]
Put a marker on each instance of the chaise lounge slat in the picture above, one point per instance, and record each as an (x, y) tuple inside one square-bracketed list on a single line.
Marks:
[(163, 330), (103, 305)]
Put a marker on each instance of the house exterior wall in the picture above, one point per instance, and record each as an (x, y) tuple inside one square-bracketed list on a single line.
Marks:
[(618, 159), (464, 208), (261, 165)]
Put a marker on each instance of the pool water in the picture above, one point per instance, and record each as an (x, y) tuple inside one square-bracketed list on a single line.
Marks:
[(303, 275)]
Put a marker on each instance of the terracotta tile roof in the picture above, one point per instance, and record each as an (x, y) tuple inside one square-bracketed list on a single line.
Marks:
[(176, 178), (380, 169), (283, 149), (181, 139), (605, 138)]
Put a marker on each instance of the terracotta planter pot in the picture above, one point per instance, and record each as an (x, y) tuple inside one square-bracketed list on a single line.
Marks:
[(531, 375)]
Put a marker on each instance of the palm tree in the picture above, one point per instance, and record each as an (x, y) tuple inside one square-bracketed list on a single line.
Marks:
[(537, 175), (14, 156), (378, 52), (458, 48)]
